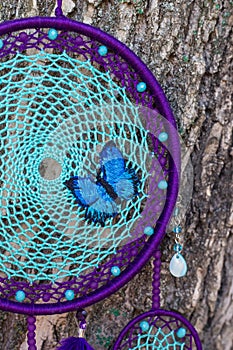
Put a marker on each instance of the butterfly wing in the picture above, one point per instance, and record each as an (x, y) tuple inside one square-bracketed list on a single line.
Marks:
[(114, 181), (93, 197), (84, 190), (114, 170), (127, 186), (102, 209), (112, 162)]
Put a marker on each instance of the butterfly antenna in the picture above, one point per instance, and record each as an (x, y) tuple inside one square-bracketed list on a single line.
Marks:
[(68, 184)]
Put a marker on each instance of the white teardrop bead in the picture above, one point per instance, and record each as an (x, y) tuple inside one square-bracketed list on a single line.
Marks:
[(178, 266)]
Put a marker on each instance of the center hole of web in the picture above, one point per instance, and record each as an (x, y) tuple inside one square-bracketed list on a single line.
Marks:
[(50, 169)]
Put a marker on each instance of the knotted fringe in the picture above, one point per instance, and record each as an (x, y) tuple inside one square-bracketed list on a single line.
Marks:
[(74, 343)]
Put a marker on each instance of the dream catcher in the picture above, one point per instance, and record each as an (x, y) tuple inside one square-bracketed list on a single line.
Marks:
[(89, 167), (158, 329)]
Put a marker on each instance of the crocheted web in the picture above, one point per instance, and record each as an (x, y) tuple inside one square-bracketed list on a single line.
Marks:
[(158, 340), (61, 102), (162, 334), (63, 125)]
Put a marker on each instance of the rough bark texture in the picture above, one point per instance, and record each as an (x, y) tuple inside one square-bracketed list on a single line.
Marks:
[(188, 45)]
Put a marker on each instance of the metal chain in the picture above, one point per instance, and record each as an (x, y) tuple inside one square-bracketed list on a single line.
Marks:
[(178, 265), (177, 225)]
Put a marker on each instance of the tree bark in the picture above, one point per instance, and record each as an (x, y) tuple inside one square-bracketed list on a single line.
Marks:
[(188, 46)]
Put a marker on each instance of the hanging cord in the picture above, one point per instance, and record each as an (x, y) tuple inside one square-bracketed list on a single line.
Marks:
[(31, 325), (178, 266), (81, 318), (156, 280), (58, 11)]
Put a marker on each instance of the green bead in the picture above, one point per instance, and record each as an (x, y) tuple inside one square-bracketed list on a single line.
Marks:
[(141, 87), (52, 34), (115, 271), (181, 332), (162, 185), (1, 43), (20, 295), (69, 294), (102, 50)]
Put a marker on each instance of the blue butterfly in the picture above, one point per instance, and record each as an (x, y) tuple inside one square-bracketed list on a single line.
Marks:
[(114, 182)]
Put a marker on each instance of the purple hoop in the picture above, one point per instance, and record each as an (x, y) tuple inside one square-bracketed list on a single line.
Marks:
[(159, 312), (163, 107)]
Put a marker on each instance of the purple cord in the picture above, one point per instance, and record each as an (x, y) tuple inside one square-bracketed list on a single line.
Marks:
[(58, 11), (31, 325), (156, 280)]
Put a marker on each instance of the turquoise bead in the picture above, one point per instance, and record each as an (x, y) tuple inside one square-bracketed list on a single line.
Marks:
[(102, 50), (1, 43), (148, 230), (177, 229), (69, 294), (141, 87), (163, 136), (178, 266), (162, 185), (177, 247), (115, 270), (52, 34), (144, 325), (20, 295), (181, 332)]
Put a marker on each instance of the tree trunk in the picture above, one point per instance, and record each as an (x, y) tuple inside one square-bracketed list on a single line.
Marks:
[(188, 46)]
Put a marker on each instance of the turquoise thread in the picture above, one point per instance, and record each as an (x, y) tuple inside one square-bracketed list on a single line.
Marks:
[(159, 340)]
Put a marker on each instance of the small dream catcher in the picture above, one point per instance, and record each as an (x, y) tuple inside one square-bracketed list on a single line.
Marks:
[(89, 167), (158, 329)]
